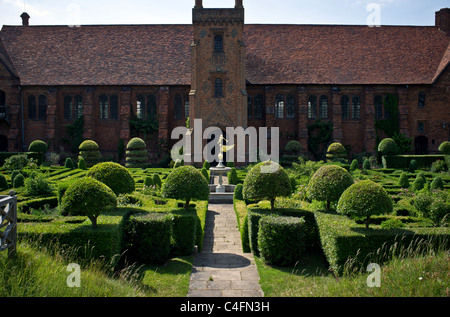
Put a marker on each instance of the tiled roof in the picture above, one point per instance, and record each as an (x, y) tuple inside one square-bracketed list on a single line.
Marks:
[(6, 60), (276, 54)]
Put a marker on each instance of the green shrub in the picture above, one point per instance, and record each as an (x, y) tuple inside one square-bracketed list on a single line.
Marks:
[(438, 166), (156, 180), (69, 163), (266, 180), (115, 176), (204, 172), (185, 183), (147, 237), (38, 185), (293, 182), (37, 204), (412, 166), (364, 199), (82, 163), (148, 181), (438, 210), (206, 165), (444, 147), (238, 192), (281, 240), (419, 183), (437, 183), (328, 183), (366, 164), (3, 182), (354, 165), (18, 181), (422, 203), (393, 223), (387, 146), (88, 197), (185, 227), (403, 181), (336, 150), (61, 189), (232, 177), (89, 151), (293, 146), (40, 147), (16, 162), (136, 154)]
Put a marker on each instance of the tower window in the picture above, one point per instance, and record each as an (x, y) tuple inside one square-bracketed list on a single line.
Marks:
[(356, 107), (345, 107), (323, 111), (421, 99), (218, 88), (218, 43)]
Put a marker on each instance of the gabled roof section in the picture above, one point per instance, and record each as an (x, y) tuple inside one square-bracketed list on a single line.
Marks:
[(276, 54), (443, 65), (5, 60)]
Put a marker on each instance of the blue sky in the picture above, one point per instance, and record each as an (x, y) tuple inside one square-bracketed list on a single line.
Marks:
[(70, 12)]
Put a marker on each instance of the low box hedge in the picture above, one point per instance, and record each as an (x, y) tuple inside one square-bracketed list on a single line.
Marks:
[(37, 203), (147, 237), (342, 239), (186, 223), (281, 239), (402, 161), (104, 241)]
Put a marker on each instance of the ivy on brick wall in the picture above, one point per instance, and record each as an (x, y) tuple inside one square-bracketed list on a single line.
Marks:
[(390, 124), (143, 126), (319, 137), (75, 134)]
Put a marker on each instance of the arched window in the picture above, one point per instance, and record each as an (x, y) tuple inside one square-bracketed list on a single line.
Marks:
[(421, 102), (218, 88), (312, 107), (178, 107), (68, 108), (279, 106), (140, 106), (259, 102), (345, 107), (290, 107), (218, 43), (323, 110), (32, 107), (356, 107), (378, 102), (114, 100), (104, 107)]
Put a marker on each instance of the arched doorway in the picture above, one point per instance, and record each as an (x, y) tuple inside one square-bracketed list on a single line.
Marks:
[(421, 145)]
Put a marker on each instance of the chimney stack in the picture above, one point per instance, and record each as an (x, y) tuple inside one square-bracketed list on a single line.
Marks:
[(443, 20), (239, 4), (25, 19), (199, 4)]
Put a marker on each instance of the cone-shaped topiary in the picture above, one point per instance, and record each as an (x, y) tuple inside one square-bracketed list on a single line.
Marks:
[(266, 180), (69, 163), (437, 183), (89, 151), (88, 197), (364, 199), (136, 154), (328, 183), (354, 165), (115, 176), (185, 183), (403, 181)]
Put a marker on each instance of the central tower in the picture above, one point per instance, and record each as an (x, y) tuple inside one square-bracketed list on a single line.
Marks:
[(218, 92)]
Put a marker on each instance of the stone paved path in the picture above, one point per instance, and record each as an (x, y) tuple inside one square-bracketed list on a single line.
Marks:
[(222, 269)]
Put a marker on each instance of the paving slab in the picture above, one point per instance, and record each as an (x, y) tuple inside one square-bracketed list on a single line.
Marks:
[(222, 269)]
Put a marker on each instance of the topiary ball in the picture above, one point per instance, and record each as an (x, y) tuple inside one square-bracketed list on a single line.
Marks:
[(88, 145), (89, 151), (266, 180), (445, 148), (115, 176), (136, 144), (364, 199), (387, 146), (336, 150), (38, 146), (185, 183), (88, 197), (293, 146), (328, 183)]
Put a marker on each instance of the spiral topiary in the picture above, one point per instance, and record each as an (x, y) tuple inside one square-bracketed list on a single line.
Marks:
[(266, 180), (185, 183), (136, 154), (364, 199), (115, 176), (328, 183), (89, 151)]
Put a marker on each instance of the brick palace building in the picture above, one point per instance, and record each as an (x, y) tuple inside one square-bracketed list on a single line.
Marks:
[(228, 74)]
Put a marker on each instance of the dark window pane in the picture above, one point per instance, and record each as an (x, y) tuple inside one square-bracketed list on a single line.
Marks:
[(279, 106), (259, 101), (78, 106), (42, 107), (345, 107), (68, 107), (290, 107), (31, 107), (104, 107), (218, 88), (249, 106), (218, 44), (421, 99), (312, 107), (151, 105), (356, 107), (114, 100), (378, 101), (186, 106), (323, 111), (178, 107), (140, 106)]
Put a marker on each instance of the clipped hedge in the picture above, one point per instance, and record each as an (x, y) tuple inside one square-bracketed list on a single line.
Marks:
[(136, 154), (38, 203), (403, 161), (147, 237), (115, 176), (281, 240), (342, 239), (186, 225)]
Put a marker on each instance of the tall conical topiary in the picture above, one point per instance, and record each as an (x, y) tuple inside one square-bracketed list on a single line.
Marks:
[(136, 154)]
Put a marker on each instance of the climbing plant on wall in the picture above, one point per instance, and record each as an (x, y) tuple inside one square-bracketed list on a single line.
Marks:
[(390, 123), (319, 137)]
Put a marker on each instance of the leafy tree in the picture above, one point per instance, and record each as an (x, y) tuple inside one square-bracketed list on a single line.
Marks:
[(266, 180), (115, 176)]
